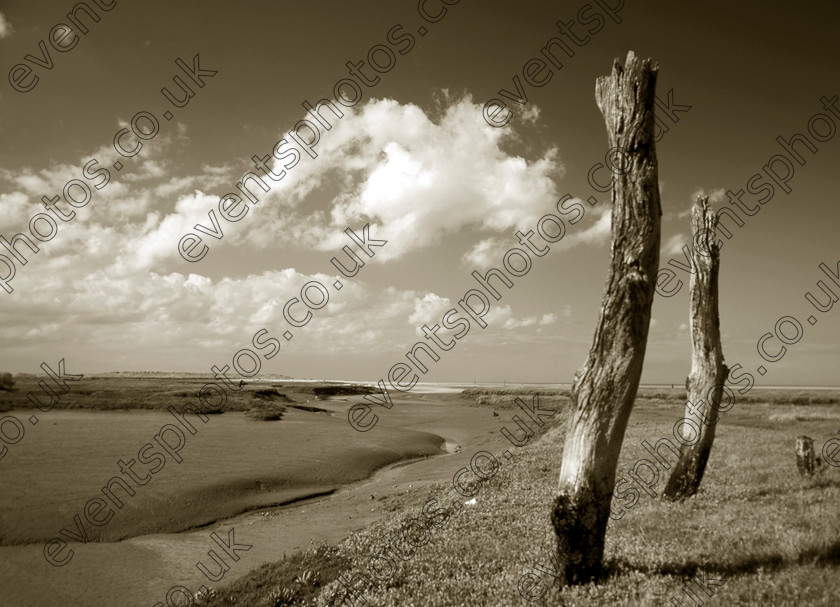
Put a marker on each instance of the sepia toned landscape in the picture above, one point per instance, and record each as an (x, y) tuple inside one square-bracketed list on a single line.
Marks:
[(442, 302)]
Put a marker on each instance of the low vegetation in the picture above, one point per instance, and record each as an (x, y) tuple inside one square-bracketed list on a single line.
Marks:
[(266, 412), (122, 393), (268, 407)]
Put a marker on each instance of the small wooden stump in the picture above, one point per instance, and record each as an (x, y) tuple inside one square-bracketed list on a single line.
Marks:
[(806, 461)]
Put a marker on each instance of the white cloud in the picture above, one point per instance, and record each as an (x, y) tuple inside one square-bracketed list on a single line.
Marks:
[(490, 251), (486, 252), (412, 178), (716, 197), (144, 314), (597, 233), (501, 318), (5, 27), (513, 323), (674, 245), (428, 310), (13, 206)]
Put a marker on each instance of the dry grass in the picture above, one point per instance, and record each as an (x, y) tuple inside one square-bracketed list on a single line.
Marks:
[(810, 414), (296, 580)]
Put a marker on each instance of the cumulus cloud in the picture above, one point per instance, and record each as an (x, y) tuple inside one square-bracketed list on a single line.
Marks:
[(414, 176)]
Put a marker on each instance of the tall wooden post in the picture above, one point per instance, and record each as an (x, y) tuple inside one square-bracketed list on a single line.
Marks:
[(708, 373), (605, 387)]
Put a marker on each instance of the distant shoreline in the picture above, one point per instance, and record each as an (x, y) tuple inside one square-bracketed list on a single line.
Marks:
[(424, 387), (541, 385)]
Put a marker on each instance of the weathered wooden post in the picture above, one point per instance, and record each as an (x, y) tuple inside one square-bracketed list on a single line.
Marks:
[(708, 372), (806, 461), (605, 387)]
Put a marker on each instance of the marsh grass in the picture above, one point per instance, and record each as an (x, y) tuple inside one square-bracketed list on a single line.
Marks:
[(266, 412), (127, 393)]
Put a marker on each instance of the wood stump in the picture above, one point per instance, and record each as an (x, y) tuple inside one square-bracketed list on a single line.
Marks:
[(7, 382), (806, 460)]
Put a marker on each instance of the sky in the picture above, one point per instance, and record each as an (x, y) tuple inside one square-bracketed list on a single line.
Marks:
[(416, 159)]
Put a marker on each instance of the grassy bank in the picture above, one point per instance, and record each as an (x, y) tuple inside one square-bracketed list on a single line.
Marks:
[(773, 536)]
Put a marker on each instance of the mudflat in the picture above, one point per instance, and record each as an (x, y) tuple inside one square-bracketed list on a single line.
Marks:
[(236, 472)]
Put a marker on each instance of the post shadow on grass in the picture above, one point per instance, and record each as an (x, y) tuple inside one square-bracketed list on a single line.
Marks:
[(826, 555)]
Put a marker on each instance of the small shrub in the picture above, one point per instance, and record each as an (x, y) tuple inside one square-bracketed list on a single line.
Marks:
[(266, 412), (341, 390), (7, 382)]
